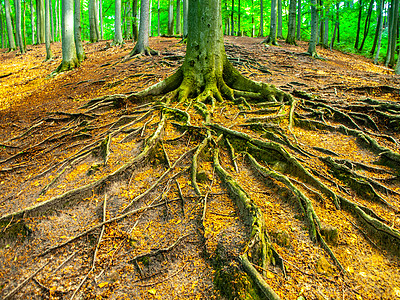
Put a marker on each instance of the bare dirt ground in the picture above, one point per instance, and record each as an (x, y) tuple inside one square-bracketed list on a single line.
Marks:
[(167, 248)]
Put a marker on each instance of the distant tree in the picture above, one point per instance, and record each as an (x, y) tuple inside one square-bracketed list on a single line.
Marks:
[(101, 19), (378, 26), (93, 21), (239, 31), (40, 21), (178, 17), (2, 37), (299, 20), (10, 31), (142, 44), (261, 18), (393, 32), (49, 54), (360, 9), (367, 24), (80, 53), (33, 22), (117, 24), (170, 18), (279, 28), (291, 36), (312, 44), (135, 20), (185, 18), (271, 39)]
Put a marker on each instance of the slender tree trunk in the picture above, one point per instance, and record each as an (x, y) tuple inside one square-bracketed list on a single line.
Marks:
[(393, 32), (185, 18), (378, 26), (18, 23), (261, 18), (150, 11), (367, 24), (291, 36), (336, 29), (232, 18), (239, 32), (32, 23), (69, 58), (40, 8), (92, 21), (51, 22), (170, 18), (312, 50), (101, 19), (117, 24), (59, 20), (380, 29), (271, 39), (10, 30), (142, 45), (134, 20), (158, 18), (2, 27), (178, 17), (358, 24), (80, 53), (326, 28), (128, 18), (49, 54), (24, 39), (279, 32), (253, 25), (299, 20)]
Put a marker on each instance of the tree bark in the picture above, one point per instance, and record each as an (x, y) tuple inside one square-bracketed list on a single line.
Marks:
[(18, 24), (232, 18), (10, 30), (378, 26), (101, 19), (326, 28), (40, 19), (336, 29), (92, 21), (239, 32), (49, 54), (312, 50), (279, 33), (178, 17), (380, 29), (261, 18), (271, 39), (117, 24), (142, 44), (2, 28), (253, 25), (393, 32), (299, 20), (80, 53), (32, 23), (51, 22), (291, 36)]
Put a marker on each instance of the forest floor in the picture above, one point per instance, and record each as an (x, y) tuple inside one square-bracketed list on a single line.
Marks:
[(163, 251)]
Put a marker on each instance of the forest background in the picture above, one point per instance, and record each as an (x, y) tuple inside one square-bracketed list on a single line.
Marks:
[(349, 26)]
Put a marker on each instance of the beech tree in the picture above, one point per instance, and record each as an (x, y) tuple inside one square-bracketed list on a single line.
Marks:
[(10, 30), (117, 24), (312, 44), (49, 54), (291, 36)]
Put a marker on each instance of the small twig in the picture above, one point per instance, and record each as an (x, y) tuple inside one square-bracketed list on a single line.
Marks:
[(162, 280)]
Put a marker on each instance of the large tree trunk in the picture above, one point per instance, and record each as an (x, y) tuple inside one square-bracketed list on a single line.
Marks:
[(261, 18), (299, 20), (80, 53), (117, 24), (253, 25), (51, 22), (312, 50), (101, 19), (326, 28), (378, 26), (69, 58), (10, 30), (40, 21), (393, 32), (49, 54), (158, 18), (178, 17), (271, 39), (279, 30), (128, 21), (232, 18), (142, 44), (291, 36), (380, 29)]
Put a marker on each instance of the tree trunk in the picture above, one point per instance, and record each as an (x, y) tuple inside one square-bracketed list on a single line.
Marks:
[(49, 54), (253, 25), (279, 33), (393, 32), (134, 20), (299, 20), (367, 24), (150, 10), (378, 26), (69, 58), (239, 32), (142, 44), (24, 39), (170, 18), (185, 18), (232, 18), (336, 29), (128, 21), (80, 53), (271, 39), (358, 24), (10, 30), (51, 22), (261, 18), (32, 23), (158, 18), (178, 17), (92, 21), (380, 29), (117, 24), (291, 36), (18, 24), (2, 28), (40, 12), (101, 19), (312, 50), (326, 29)]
